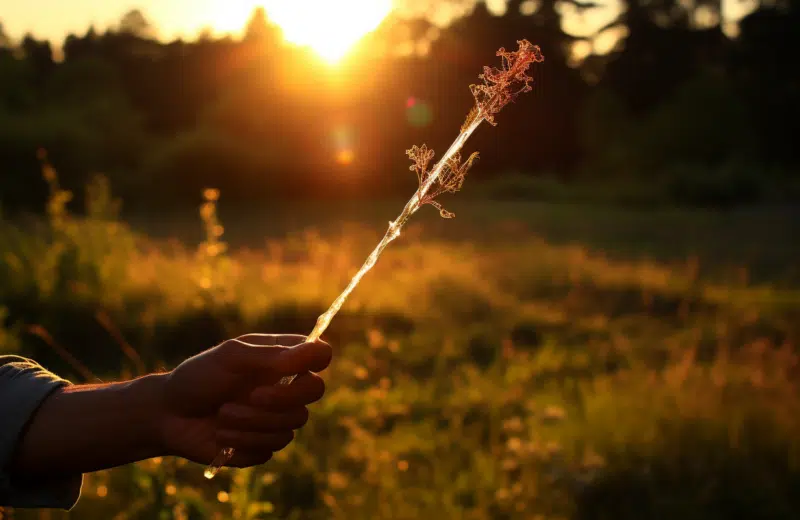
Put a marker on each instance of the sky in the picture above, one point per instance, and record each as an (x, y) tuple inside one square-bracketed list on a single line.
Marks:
[(54, 19)]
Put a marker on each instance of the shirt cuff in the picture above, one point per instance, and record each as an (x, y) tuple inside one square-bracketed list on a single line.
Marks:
[(24, 385)]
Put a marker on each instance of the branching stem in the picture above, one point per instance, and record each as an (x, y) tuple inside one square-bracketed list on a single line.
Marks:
[(414, 203)]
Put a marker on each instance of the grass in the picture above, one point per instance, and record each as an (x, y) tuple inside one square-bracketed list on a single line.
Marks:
[(522, 361)]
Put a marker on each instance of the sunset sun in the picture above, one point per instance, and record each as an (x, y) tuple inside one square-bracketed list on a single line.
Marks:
[(329, 28)]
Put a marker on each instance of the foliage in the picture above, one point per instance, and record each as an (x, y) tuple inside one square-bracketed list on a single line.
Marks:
[(670, 96), (507, 377)]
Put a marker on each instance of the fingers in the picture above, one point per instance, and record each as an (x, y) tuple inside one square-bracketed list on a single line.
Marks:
[(305, 357), (304, 390), (255, 442), (246, 459), (275, 360), (269, 340), (266, 422), (235, 416)]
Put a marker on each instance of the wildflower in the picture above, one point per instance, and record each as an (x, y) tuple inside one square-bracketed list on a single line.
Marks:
[(554, 414), (361, 373), (211, 194), (375, 338), (592, 460), (514, 444), (552, 448), (207, 211), (513, 425), (337, 480)]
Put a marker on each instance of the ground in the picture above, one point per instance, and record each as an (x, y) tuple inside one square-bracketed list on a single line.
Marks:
[(521, 361)]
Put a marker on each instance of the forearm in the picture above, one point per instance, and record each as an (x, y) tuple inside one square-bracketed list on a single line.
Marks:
[(81, 429)]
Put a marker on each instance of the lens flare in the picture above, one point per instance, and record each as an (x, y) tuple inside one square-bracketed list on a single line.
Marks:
[(345, 157), (418, 112), (344, 144)]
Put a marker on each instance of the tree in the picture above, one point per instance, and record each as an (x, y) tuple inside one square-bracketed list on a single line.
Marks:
[(5, 41), (40, 56), (205, 35), (136, 24), (80, 47), (258, 28), (664, 48)]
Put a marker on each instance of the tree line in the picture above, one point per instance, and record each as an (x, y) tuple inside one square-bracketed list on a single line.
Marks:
[(677, 102)]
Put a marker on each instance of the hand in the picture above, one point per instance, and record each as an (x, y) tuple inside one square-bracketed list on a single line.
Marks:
[(228, 397)]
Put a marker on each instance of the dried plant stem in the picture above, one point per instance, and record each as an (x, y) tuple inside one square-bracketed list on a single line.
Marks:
[(413, 204), (500, 87), (393, 232)]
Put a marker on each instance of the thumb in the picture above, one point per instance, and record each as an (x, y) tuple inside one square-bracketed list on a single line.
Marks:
[(305, 357)]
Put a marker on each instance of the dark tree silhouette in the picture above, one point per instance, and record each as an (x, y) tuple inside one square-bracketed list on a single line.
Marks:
[(5, 41), (258, 118), (259, 29), (136, 24), (662, 49)]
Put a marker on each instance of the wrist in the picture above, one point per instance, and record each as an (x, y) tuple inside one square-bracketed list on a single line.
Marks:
[(146, 395)]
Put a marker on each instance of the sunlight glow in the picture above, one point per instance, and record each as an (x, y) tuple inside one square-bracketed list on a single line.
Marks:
[(223, 16), (330, 28), (345, 157)]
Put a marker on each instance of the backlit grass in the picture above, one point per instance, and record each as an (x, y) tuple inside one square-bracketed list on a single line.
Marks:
[(505, 373)]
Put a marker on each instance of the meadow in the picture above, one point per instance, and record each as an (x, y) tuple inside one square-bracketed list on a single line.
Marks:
[(523, 361)]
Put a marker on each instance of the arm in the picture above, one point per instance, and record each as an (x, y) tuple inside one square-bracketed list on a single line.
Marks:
[(24, 385), (225, 396), (80, 429)]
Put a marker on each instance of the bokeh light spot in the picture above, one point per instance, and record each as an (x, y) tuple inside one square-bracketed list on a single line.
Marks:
[(345, 156), (344, 144), (418, 112)]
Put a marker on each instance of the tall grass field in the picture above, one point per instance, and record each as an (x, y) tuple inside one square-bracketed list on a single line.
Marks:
[(523, 361)]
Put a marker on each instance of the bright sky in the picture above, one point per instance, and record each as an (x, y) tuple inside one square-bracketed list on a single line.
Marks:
[(54, 19)]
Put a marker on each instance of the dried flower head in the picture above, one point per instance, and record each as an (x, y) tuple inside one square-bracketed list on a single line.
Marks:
[(422, 156), (449, 180), (501, 86)]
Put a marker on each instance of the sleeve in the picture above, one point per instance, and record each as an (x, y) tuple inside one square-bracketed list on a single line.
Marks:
[(24, 385)]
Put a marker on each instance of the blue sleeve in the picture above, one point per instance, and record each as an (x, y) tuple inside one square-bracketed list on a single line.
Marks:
[(24, 385)]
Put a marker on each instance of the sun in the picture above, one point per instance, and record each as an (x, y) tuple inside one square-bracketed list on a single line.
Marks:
[(331, 28)]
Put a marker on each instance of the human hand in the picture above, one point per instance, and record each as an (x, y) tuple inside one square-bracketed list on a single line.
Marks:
[(228, 396)]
